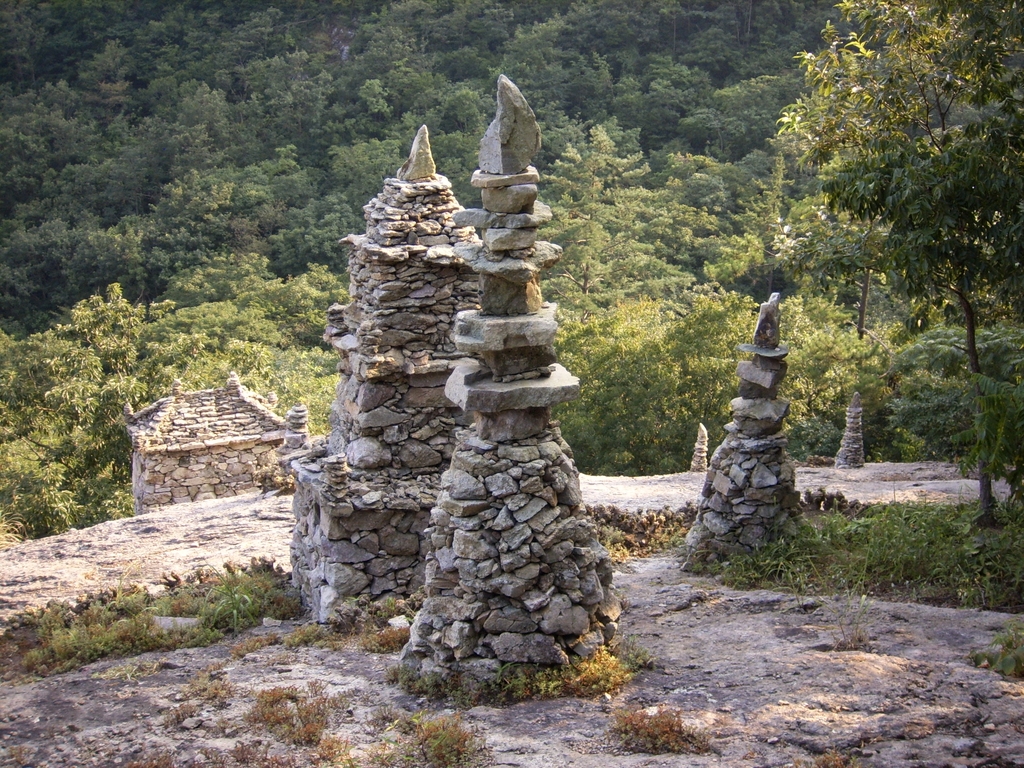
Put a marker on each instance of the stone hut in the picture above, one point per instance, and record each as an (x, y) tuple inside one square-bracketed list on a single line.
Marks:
[(363, 500), (193, 446)]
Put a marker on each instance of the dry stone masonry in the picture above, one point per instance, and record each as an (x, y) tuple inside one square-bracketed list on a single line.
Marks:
[(851, 450), (749, 496), (193, 446), (363, 500), (514, 569), (699, 463)]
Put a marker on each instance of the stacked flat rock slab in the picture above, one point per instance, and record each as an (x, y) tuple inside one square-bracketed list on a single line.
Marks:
[(699, 463), (749, 496), (851, 449), (514, 569), (193, 446), (362, 504)]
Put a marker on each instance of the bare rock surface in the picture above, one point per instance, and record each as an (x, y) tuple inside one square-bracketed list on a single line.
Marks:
[(756, 668)]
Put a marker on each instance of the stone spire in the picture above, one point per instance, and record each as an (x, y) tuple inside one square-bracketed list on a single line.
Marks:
[(420, 164), (700, 451), (851, 450), (514, 572), (749, 495), (361, 508)]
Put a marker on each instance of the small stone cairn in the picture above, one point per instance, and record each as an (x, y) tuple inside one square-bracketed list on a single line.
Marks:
[(699, 463), (749, 496), (514, 571), (851, 449), (363, 499)]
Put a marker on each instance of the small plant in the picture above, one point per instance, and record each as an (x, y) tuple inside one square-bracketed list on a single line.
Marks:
[(388, 640), (243, 648), (128, 672), (318, 636), (175, 716), (210, 687), (295, 716), (156, 760), (830, 759), (849, 633), (440, 742), (1006, 653), (658, 730)]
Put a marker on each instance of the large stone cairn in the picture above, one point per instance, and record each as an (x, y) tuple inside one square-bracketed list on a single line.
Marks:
[(851, 450), (749, 496), (362, 507), (514, 570)]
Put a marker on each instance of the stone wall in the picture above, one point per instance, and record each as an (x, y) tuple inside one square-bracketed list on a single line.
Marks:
[(362, 504), (193, 446)]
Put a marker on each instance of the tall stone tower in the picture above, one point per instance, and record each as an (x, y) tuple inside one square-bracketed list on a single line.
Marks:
[(361, 508), (749, 495), (514, 570)]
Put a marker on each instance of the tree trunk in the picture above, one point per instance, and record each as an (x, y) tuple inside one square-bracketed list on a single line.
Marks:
[(862, 313), (986, 500)]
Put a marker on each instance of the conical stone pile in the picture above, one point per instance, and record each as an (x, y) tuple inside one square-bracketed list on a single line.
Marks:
[(699, 462), (514, 571), (361, 509), (749, 496), (851, 450)]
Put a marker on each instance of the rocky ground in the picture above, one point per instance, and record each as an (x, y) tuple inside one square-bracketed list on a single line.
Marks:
[(756, 668)]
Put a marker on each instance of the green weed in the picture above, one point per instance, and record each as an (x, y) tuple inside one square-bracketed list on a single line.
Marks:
[(929, 553), (243, 648), (119, 622), (388, 640), (1006, 653)]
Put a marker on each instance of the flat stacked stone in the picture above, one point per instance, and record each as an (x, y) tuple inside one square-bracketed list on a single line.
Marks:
[(362, 504), (749, 495), (514, 569), (851, 450), (699, 463)]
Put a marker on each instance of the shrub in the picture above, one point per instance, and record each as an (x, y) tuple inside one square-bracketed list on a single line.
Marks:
[(1006, 653), (440, 742), (295, 716), (388, 640), (658, 730), (926, 552)]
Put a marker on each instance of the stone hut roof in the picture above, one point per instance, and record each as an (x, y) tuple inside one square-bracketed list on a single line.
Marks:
[(190, 421)]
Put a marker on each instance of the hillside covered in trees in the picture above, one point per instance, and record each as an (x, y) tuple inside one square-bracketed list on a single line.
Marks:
[(175, 178)]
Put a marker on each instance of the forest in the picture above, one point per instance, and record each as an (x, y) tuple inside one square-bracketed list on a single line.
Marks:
[(175, 178)]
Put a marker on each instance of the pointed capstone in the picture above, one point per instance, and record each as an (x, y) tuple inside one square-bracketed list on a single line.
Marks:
[(513, 138), (420, 164)]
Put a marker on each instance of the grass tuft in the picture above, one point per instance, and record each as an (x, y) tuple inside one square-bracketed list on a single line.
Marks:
[(920, 552), (119, 622), (255, 643), (658, 730), (388, 640), (429, 742), (295, 716)]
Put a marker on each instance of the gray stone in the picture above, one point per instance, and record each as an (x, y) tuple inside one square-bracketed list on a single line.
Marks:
[(415, 454), (501, 485), (347, 552), (517, 199), (483, 180), (475, 333), (504, 239), (469, 392), (420, 164), (472, 546), (561, 617), (502, 297), (345, 579), (534, 648), (513, 425), (513, 137), (367, 453), (462, 485), (762, 477)]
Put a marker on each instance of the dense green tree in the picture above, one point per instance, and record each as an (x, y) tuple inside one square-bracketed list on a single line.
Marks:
[(919, 113)]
